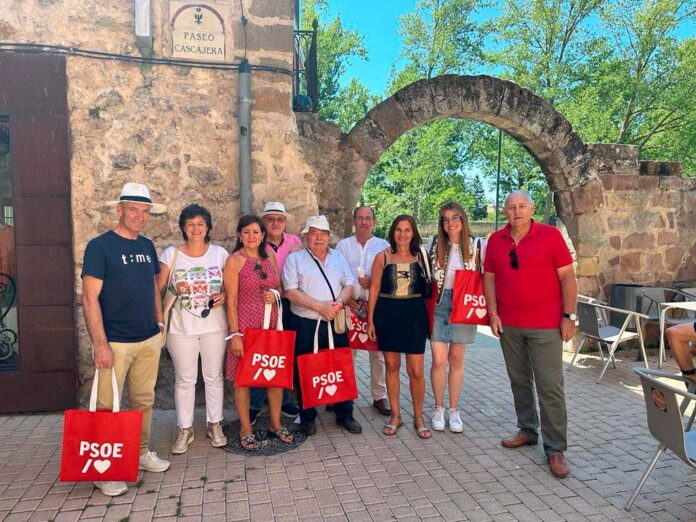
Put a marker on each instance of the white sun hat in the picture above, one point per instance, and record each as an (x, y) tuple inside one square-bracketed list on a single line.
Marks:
[(138, 193), (274, 207), (318, 222)]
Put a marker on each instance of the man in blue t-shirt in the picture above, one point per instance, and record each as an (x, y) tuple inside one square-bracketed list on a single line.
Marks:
[(123, 312)]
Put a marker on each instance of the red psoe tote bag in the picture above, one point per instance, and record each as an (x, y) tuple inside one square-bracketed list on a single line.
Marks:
[(326, 376), (267, 361), (101, 445), (357, 334), (468, 301)]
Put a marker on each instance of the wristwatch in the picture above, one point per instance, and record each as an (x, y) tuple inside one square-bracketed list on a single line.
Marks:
[(572, 317)]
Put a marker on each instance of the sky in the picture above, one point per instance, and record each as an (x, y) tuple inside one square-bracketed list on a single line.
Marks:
[(378, 22)]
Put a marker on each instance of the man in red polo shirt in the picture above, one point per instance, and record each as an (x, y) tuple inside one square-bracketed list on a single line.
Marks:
[(531, 293)]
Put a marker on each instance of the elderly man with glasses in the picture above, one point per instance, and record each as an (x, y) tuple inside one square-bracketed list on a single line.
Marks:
[(531, 292)]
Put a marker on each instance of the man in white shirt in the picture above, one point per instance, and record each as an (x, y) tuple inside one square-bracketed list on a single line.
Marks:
[(315, 297), (360, 251)]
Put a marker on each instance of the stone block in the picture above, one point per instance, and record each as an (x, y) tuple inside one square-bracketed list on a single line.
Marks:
[(588, 286), (674, 257), (666, 237), (270, 99), (587, 267), (625, 182), (631, 263), (271, 9), (665, 198), (390, 117), (614, 261), (587, 198), (615, 242), (613, 151), (639, 240), (648, 182), (671, 183), (654, 263), (276, 38), (661, 168)]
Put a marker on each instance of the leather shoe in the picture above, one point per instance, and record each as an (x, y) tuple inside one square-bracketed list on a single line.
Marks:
[(308, 427), (382, 406), (519, 439), (558, 465), (350, 425)]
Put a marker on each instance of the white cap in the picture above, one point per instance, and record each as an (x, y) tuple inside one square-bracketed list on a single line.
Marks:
[(318, 222)]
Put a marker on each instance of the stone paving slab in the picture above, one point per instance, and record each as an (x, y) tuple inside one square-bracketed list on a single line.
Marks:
[(338, 476)]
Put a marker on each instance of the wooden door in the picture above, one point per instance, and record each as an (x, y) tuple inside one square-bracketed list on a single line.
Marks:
[(40, 372)]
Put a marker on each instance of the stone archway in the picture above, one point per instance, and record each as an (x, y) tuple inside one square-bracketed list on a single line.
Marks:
[(629, 220)]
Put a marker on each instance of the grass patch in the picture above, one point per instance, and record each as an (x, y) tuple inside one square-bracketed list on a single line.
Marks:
[(204, 479), (178, 509)]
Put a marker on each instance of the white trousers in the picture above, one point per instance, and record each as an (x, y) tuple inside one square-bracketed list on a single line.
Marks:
[(378, 383), (185, 350)]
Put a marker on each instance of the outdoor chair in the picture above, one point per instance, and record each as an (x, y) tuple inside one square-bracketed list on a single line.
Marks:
[(665, 419), (654, 297), (589, 315), (602, 315), (687, 307)]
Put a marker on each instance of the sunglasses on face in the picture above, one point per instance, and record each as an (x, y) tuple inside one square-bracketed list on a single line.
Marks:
[(514, 261), (275, 219), (259, 269), (456, 218)]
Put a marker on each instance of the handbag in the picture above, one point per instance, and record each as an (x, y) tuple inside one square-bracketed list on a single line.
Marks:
[(101, 445), (267, 361), (428, 276), (468, 301), (357, 335), (169, 297), (326, 376), (342, 321)]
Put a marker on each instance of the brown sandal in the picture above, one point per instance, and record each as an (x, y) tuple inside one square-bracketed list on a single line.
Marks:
[(283, 434), (423, 432), (390, 429)]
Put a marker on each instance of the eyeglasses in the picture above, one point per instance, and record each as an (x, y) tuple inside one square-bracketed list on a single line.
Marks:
[(514, 261), (454, 219), (259, 269), (275, 219), (367, 219)]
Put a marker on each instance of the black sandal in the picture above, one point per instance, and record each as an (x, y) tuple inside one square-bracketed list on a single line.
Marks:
[(250, 443), (283, 434)]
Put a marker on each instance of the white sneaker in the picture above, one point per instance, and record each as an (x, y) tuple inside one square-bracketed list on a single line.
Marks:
[(151, 462), (455, 422), (183, 440), (112, 489), (215, 433), (438, 421)]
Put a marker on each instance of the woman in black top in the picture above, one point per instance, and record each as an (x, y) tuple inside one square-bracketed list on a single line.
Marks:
[(397, 318)]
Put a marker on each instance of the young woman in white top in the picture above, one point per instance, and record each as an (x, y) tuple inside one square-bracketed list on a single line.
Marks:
[(198, 324), (453, 249)]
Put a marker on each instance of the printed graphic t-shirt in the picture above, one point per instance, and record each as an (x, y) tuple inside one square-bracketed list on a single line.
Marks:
[(196, 279), (127, 268)]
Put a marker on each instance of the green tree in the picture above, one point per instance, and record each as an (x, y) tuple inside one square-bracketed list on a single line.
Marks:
[(479, 209)]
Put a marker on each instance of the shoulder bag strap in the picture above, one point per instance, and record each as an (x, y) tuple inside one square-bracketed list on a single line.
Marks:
[(171, 274), (322, 273)]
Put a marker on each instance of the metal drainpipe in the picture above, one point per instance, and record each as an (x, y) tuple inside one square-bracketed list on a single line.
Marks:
[(244, 107)]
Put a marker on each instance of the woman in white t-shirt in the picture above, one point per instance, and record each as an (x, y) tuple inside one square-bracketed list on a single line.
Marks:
[(198, 324), (454, 248)]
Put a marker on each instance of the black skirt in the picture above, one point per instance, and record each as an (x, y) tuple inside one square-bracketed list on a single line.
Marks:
[(401, 325)]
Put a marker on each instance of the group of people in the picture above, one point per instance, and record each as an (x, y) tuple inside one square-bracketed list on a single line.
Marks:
[(529, 286)]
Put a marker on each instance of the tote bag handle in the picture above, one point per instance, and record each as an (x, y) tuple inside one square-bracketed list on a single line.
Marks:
[(316, 336), (268, 309), (95, 386)]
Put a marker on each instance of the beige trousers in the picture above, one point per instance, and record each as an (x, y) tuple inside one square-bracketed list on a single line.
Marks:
[(139, 364)]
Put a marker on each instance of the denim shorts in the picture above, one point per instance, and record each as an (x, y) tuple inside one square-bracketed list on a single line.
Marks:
[(446, 332)]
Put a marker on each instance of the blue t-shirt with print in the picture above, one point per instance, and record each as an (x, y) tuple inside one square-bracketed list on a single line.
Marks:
[(127, 299)]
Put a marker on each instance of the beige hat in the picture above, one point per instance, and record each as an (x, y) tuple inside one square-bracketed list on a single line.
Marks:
[(319, 222), (139, 194)]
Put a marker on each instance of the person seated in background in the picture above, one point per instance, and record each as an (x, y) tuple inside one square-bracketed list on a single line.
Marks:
[(679, 338)]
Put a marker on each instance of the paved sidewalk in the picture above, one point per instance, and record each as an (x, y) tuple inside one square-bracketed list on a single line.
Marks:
[(338, 476)]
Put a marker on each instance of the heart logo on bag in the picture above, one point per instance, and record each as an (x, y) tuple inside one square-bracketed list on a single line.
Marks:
[(363, 337), (331, 389), (481, 313), (269, 374), (102, 465)]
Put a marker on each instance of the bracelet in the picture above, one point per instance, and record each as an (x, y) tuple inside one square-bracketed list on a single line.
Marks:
[(162, 325), (493, 314), (234, 334)]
